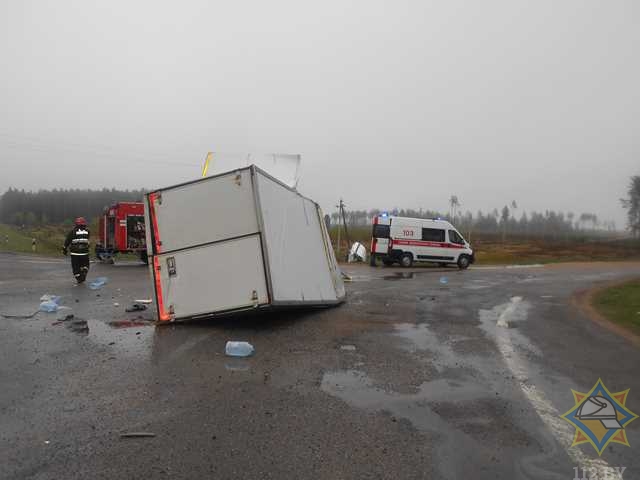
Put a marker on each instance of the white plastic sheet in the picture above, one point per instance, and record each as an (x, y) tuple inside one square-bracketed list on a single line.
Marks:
[(282, 166)]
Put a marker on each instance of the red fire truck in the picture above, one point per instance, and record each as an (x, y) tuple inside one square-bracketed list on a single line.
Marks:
[(122, 231)]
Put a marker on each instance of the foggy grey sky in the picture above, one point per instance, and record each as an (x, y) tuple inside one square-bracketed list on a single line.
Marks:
[(390, 103)]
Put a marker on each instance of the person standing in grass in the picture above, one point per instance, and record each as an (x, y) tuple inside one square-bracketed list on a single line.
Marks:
[(77, 244), (34, 244)]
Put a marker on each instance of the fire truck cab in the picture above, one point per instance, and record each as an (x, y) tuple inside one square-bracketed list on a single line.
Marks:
[(407, 240), (122, 230)]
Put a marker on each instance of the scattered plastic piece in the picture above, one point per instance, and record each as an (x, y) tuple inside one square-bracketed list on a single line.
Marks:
[(358, 253), (345, 277), (49, 306), (348, 348), (137, 435), (444, 280), (239, 349), (48, 297), (136, 307), (146, 301), (98, 283), (116, 304)]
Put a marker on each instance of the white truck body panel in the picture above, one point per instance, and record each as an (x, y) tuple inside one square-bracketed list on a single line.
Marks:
[(301, 268), (228, 274), (241, 240), (196, 214)]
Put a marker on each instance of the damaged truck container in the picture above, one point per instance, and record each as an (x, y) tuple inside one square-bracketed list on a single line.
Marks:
[(237, 241)]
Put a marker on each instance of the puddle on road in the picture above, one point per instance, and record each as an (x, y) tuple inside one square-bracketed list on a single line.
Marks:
[(399, 276), (455, 432), (130, 323), (358, 390), (421, 337), (133, 340)]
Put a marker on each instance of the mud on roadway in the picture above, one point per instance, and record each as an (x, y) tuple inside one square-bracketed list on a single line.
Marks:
[(413, 377)]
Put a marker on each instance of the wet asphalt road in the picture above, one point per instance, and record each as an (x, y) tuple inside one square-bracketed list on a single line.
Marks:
[(411, 378)]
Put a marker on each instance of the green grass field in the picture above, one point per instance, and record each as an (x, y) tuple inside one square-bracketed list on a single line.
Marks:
[(491, 250), (49, 239), (621, 304)]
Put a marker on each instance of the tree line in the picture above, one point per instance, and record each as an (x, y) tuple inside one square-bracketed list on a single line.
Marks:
[(507, 221), (20, 207)]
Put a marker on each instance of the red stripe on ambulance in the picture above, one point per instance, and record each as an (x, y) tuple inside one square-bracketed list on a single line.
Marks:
[(419, 243)]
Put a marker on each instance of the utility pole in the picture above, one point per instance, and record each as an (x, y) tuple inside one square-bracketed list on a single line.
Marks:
[(339, 229), (453, 203), (342, 219)]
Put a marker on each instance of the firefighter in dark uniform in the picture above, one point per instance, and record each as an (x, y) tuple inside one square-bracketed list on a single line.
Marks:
[(77, 244)]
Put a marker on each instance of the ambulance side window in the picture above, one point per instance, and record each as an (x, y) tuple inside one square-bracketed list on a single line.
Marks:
[(432, 235), (381, 231), (455, 238)]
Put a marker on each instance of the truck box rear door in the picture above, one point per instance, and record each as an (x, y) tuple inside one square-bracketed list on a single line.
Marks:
[(223, 276)]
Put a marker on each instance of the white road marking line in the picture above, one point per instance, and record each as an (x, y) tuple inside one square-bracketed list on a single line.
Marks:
[(543, 407)]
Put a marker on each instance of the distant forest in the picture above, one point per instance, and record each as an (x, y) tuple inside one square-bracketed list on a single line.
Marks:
[(59, 206), (507, 221), (19, 207)]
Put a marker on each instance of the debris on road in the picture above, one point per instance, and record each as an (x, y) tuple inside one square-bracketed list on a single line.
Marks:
[(145, 301), (136, 307), (116, 304), (48, 297), (98, 283), (49, 303), (444, 280), (348, 348), (137, 435), (358, 253), (238, 349), (79, 325)]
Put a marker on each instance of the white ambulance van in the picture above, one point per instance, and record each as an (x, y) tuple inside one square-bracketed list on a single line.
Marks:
[(407, 240)]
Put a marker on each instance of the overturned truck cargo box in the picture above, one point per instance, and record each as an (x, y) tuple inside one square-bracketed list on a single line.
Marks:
[(237, 241)]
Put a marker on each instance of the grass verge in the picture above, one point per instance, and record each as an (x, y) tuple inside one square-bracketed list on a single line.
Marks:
[(491, 250), (49, 239), (621, 304)]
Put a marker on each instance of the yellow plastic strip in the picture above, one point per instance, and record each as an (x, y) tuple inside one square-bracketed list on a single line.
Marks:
[(206, 163)]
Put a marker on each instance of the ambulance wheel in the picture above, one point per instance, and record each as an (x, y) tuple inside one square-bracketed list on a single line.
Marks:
[(406, 260), (463, 262)]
